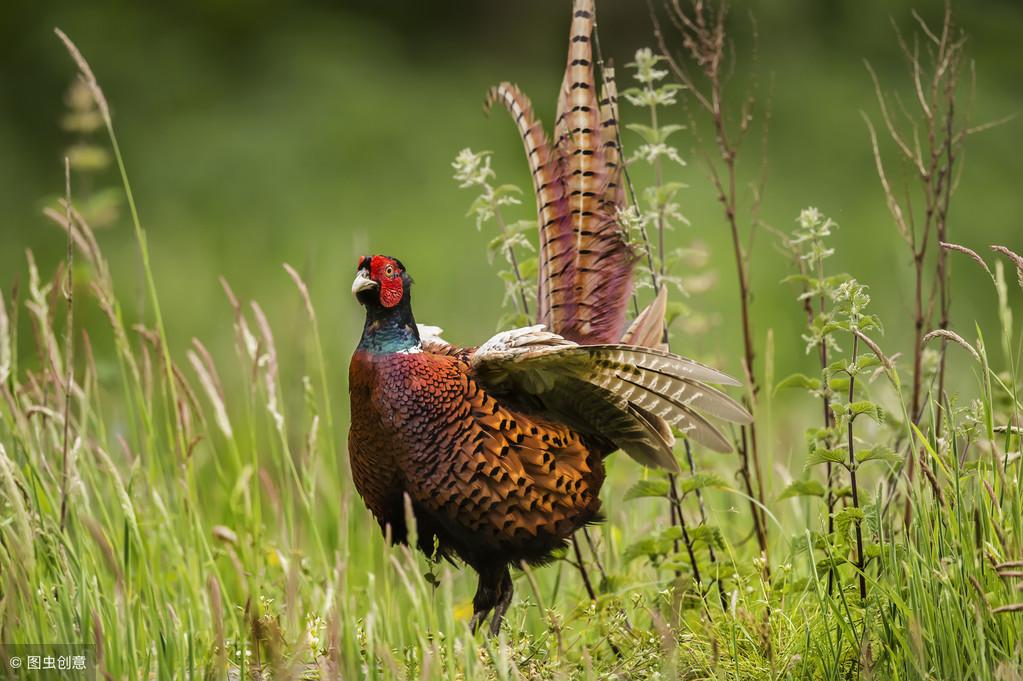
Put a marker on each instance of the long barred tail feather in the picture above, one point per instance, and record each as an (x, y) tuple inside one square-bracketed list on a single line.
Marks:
[(556, 303), (613, 190), (603, 258), (585, 261)]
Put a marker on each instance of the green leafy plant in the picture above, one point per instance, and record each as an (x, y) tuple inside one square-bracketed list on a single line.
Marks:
[(191, 513), (512, 242), (835, 305)]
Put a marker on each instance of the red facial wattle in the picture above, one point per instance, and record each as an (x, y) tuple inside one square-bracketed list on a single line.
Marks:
[(387, 274)]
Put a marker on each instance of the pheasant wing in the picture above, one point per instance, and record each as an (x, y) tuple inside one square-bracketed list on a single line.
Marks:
[(639, 386)]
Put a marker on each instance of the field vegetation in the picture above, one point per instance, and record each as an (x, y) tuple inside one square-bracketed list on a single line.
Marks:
[(185, 505)]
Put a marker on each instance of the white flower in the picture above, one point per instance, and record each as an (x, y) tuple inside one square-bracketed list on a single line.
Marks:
[(809, 217), (645, 64), (651, 152), (472, 169)]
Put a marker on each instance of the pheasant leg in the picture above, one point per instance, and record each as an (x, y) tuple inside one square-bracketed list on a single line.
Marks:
[(488, 593), (507, 589)]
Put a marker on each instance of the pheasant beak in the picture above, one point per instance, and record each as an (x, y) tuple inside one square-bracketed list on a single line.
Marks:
[(362, 283)]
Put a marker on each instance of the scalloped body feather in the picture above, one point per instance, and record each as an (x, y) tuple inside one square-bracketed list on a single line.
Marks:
[(484, 479)]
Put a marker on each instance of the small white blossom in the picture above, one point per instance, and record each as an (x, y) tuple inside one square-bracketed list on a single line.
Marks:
[(645, 64), (471, 168), (809, 217), (652, 152)]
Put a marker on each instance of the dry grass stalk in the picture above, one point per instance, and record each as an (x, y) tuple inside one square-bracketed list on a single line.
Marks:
[(945, 334), (269, 363), (213, 393), (1016, 259), (704, 41), (69, 345), (38, 305), (303, 290), (5, 342), (930, 142), (971, 253)]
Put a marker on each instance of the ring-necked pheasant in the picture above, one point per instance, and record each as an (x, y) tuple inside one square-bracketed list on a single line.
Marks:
[(500, 447)]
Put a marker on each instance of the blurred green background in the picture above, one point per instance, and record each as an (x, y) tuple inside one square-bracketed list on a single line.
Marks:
[(257, 133)]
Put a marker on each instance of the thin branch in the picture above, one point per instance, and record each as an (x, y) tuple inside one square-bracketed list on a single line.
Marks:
[(893, 204), (703, 38), (852, 475), (68, 344)]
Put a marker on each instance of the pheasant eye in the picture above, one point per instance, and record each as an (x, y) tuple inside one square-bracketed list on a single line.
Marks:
[(389, 271)]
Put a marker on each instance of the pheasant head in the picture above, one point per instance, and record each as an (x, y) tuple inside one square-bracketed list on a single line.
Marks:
[(384, 288)]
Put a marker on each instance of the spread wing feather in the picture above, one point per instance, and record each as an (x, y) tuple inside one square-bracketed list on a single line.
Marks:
[(625, 394)]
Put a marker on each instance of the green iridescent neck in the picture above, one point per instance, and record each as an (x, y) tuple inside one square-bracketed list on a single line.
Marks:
[(390, 330)]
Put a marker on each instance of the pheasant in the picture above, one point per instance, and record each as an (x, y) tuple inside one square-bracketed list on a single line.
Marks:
[(498, 449)]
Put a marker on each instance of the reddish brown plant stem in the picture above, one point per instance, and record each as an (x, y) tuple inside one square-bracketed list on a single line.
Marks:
[(811, 316), (852, 476), (703, 38), (657, 281), (935, 163)]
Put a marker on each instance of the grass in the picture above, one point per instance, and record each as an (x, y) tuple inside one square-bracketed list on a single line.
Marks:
[(211, 528)]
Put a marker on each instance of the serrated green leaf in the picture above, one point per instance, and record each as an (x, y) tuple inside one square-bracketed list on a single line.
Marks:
[(821, 455), (798, 381), (669, 130), (842, 492), (878, 453), (799, 279), (649, 134), (868, 322), (803, 488), (833, 326), (678, 563), (520, 226), (701, 481), (528, 268), (708, 535), (644, 547), (826, 565), (838, 366), (839, 383), (869, 408), (506, 190), (666, 192), (647, 488), (672, 533), (867, 361), (496, 244), (845, 518)]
